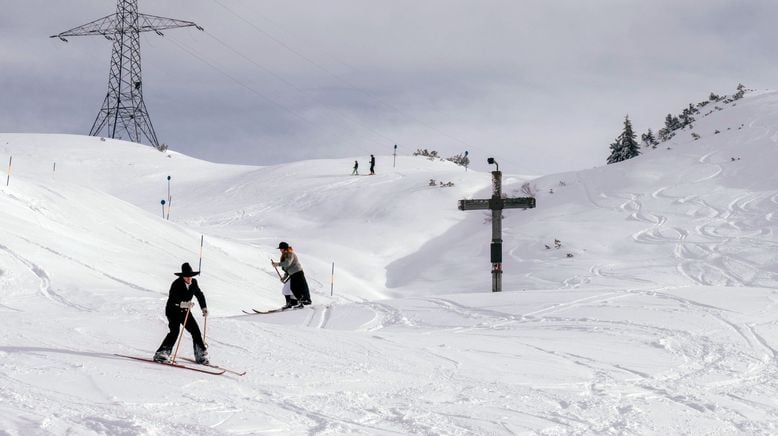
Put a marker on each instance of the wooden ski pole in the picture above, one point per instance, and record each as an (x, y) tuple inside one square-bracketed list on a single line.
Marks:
[(181, 335), (272, 262), (205, 330), (199, 268)]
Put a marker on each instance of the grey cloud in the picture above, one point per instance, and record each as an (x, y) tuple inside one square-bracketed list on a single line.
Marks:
[(544, 85)]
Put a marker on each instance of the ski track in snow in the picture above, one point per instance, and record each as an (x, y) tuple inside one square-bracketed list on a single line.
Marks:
[(706, 361), (702, 259), (89, 267), (44, 288)]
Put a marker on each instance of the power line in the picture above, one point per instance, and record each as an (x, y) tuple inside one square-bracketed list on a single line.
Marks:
[(335, 76), (295, 87), (244, 85)]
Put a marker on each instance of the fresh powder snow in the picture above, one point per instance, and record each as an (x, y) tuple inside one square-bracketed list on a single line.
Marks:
[(639, 297)]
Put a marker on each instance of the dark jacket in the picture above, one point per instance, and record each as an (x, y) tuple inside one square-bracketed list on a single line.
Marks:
[(179, 293)]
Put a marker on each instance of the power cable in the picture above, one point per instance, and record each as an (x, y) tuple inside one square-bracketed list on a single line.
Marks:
[(240, 83), (335, 76), (293, 86)]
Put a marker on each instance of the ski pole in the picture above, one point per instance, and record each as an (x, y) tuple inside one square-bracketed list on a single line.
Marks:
[(205, 330), (199, 268), (181, 335), (276, 268), (332, 278)]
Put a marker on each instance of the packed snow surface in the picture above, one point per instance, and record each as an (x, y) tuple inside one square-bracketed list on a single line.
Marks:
[(639, 298)]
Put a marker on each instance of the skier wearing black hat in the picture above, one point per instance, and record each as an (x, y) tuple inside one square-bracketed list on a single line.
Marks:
[(294, 273), (179, 303)]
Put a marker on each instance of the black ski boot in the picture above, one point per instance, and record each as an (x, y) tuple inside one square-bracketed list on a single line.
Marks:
[(162, 356), (201, 355)]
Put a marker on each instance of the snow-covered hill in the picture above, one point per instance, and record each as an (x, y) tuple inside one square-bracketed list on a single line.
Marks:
[(656, 314)]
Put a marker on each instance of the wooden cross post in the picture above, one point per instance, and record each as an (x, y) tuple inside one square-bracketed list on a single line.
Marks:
[(497, 204)]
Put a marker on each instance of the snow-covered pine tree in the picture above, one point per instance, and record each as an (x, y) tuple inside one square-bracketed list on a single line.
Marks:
[(741, 91), (672, 123), (648, 138), (686, 117), (664, 135), (626, 146), (459, 159)]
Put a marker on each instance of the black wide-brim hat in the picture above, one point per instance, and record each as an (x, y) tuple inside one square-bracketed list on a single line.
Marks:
[(186, 271), (283, 246)]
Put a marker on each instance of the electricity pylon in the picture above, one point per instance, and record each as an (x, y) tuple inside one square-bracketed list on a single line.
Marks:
[(123, 108)]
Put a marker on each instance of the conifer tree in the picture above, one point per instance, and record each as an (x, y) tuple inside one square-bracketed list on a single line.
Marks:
[(686, 117), (664, 135), (672, 123), (625, 147), (648, 139), (741, 91)]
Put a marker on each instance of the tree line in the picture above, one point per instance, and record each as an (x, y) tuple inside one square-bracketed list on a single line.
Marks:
[(626, 145)]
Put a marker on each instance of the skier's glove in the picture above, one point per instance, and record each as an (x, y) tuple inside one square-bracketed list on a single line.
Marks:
[(205, 312)]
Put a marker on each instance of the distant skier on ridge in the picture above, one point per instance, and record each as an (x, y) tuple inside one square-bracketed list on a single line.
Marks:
[(177, 308)]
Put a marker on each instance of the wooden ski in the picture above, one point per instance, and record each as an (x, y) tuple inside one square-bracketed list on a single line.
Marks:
[(214, 371), (231, 371)]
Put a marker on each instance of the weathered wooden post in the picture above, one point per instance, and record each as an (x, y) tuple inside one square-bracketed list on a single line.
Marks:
[(497, 204)]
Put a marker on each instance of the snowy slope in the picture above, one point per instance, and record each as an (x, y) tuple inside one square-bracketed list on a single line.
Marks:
[(663, 320)]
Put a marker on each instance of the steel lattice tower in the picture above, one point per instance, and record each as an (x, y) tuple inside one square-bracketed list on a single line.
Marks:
[(123, 108)]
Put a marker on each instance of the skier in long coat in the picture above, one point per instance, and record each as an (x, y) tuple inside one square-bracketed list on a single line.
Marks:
[(294, 273), (372, 165), (179, 302)]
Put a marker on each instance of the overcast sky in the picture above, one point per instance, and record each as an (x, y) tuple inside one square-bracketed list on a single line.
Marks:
[(543, 86)]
